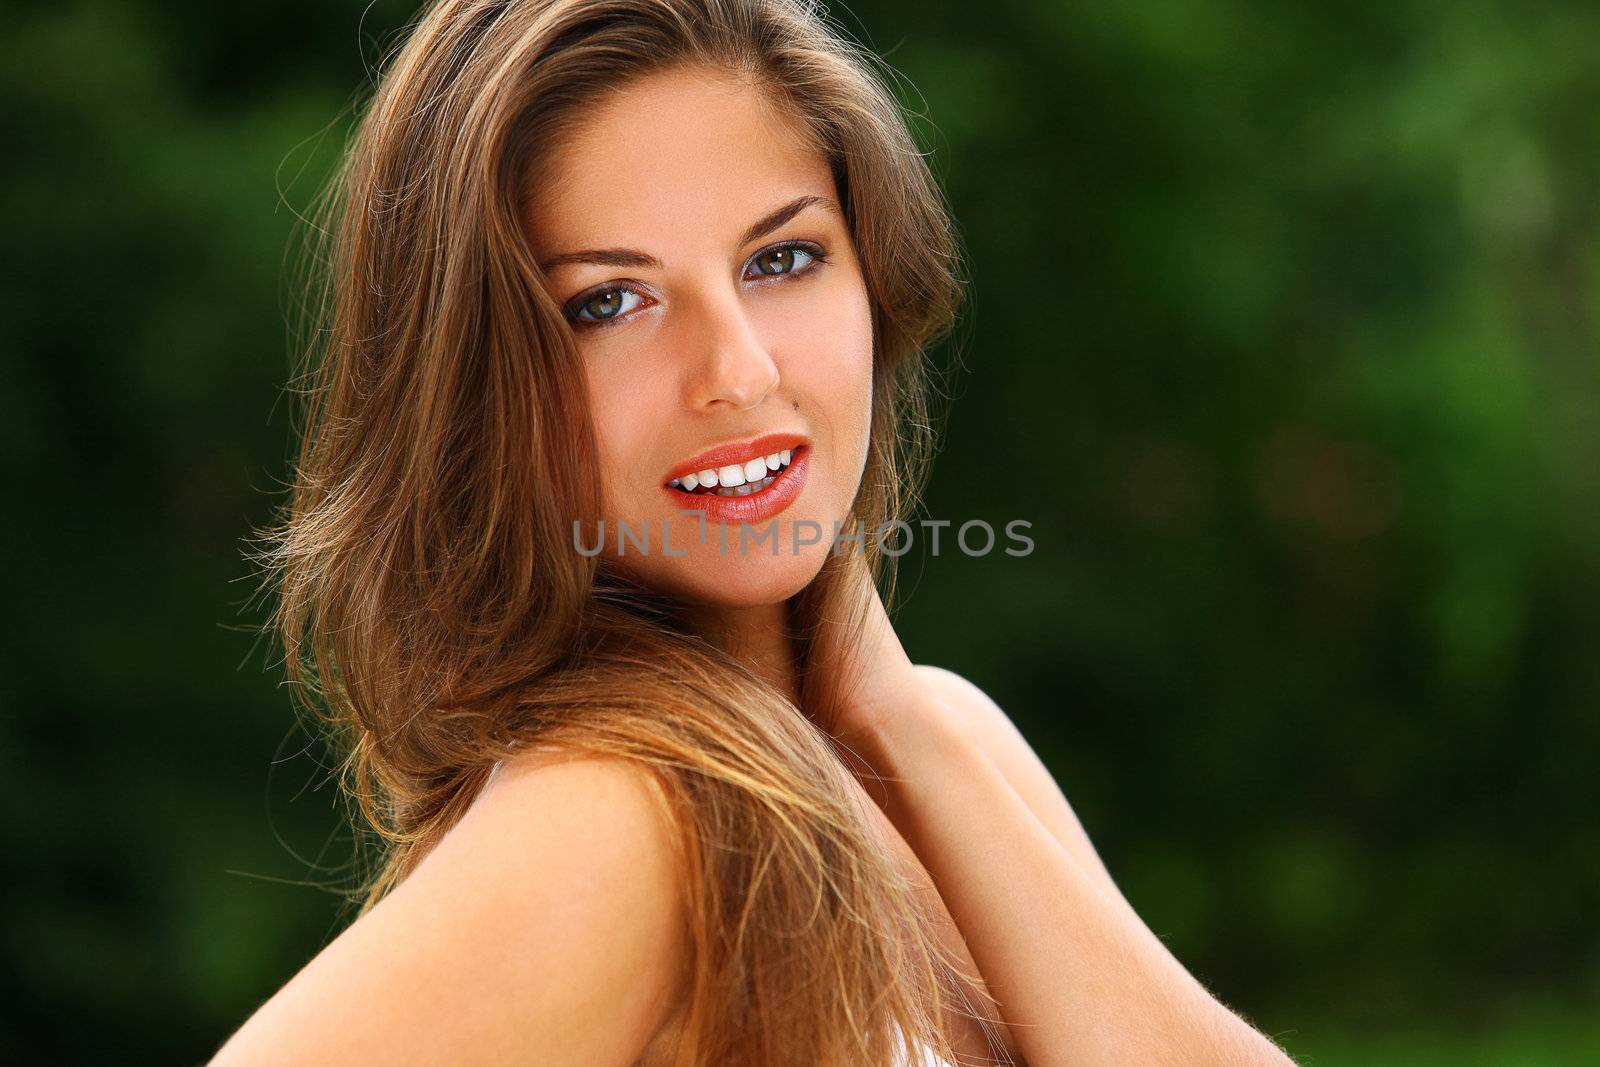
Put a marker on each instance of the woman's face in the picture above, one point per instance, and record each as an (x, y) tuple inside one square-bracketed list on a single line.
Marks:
[(698, 332)]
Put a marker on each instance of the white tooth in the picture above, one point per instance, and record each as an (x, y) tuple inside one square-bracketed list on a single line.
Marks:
[(787, 454), (756, 468), (708, 478), (745, 490), (673, 483), (732, 474), (774, 461), (690, 482)]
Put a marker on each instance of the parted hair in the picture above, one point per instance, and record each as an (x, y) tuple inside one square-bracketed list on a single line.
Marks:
[(432, 611)]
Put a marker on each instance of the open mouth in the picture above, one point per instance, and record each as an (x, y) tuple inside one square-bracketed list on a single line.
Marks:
[(738, 479)]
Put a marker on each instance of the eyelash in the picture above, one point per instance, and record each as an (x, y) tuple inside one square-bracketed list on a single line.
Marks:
[(818, 255)]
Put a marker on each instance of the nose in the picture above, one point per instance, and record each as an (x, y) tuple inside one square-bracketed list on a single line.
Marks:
[(735, 368)]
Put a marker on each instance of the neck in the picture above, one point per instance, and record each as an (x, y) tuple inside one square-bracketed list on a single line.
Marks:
[(757, 636)]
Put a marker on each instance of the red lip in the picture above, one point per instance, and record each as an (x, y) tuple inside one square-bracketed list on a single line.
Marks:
[(738, 452), (755, 507)]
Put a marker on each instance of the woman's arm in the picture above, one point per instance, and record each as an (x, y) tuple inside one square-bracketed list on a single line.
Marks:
[(1078, 976), (999, 739), (546, 927)]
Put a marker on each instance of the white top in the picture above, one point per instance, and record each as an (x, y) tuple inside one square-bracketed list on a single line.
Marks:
[(925, 1056)]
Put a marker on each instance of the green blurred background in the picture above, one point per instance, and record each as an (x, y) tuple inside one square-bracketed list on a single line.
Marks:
[(1288, 311)]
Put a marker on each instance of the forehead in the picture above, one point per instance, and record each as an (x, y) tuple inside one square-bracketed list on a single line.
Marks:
[(673, 155)]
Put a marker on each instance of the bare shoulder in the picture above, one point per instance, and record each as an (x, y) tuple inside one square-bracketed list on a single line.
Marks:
[(550, 791), (546, 926), (1000, 739), (993, 726)]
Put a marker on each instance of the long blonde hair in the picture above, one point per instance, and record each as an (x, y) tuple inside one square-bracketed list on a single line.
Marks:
[(432, 610)]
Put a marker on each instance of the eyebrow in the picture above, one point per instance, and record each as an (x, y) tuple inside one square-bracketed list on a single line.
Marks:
[(631, 257)]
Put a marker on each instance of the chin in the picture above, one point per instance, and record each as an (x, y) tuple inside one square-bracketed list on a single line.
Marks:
[(704, 577)]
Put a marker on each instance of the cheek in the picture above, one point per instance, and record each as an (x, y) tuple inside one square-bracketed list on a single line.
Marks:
[(845, 359), (620, 406), (839, 376)]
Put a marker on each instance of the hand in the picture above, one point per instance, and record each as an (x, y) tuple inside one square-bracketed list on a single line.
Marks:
[(863, 683), (864, 692)]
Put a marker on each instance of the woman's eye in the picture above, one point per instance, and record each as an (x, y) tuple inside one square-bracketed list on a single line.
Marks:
[(604, 305), (781, 260)]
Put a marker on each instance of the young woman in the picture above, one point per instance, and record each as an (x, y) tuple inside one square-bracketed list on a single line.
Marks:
[(670, 797)]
